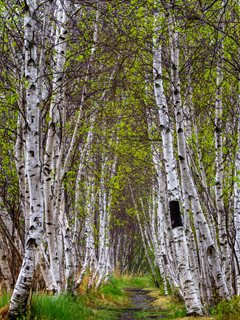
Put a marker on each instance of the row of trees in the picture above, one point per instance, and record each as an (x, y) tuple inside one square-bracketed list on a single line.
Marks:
[(120, 122)]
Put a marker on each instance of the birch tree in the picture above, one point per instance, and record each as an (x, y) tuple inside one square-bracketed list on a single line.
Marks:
[(187, 284), (211, 250), (33, 165), (237, 199), (54, 153)]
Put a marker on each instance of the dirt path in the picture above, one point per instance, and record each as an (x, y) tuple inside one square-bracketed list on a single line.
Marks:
[(141, 307)]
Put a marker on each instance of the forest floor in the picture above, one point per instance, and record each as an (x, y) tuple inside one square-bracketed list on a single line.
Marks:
[(148, 304), (141, 305), (122, 298), (143, 302)]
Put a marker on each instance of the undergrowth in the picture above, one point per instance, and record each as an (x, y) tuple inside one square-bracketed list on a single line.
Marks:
[(104, 303), (4, 299), (59, 307), (127, 281), (228, 310), (108, 301)]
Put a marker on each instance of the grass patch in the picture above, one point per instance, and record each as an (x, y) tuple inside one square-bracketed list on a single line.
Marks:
[(228, 310), (4, 299), (113, 293), (173, 308), (196, 318), (142, 282), (127, 281), (59, 307), (91, 306), (170, 305), (105, 303)]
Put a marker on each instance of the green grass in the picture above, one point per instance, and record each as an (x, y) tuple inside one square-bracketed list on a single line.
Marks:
[(106, 303), (4, 299), (129, 282), (142, 282), (102, 304), (227, 310), (113, 290), (59, 307)]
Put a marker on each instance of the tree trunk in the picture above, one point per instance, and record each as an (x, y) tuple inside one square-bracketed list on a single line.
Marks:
[(190, 293), (33, 166)]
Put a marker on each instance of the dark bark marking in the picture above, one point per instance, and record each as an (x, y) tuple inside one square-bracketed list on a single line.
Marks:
[(181, 158), (175, 214)]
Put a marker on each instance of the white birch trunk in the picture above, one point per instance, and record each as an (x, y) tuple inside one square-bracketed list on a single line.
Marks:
[(90, 261), (191, 298), (193, 258), (159, 242), (54, 152), (45, 269), (67, 244), (211, 251), (24, 283), (105, 198), (237, 198), (222, 215), (156, 211), (165, 234), (5, 273), (78, 202), (20, 165), (237, 213), (103, 231)]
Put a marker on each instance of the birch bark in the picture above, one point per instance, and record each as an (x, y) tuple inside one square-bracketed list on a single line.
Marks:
[(105, 197), (237, 198), (190, 188), (33, 164), (6, 277), (161, 242), (90, 261), (222, 215), (54, 151), (191, 297)]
